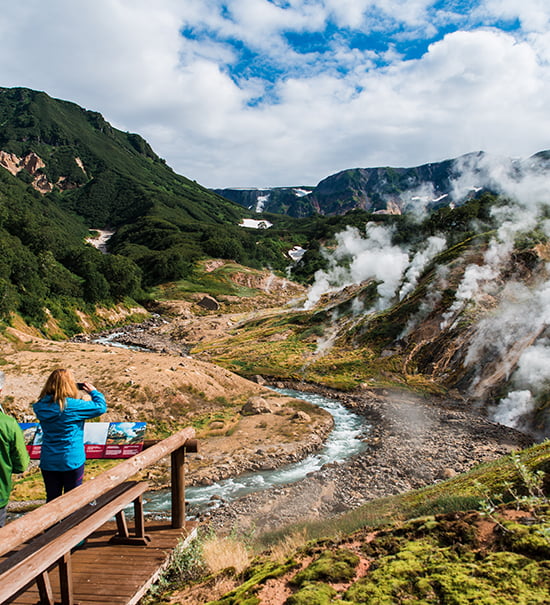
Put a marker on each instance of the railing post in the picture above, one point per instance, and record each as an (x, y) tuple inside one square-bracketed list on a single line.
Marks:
[(178, 487), (66, 579), (45, 589)]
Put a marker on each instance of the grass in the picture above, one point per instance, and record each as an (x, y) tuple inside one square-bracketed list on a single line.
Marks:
[(220, 553), (424, 543)]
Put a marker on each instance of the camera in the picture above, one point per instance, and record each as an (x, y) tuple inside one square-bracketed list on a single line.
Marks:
[(80, 386)]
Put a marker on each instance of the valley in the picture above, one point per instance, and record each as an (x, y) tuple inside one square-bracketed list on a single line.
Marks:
[(415, 297), (414, 440)]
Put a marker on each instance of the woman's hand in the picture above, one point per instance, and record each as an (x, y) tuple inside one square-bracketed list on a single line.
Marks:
[(88, 387)]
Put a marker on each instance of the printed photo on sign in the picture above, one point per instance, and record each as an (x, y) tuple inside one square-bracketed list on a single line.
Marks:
[(95, 436), (101, 439), (33, 438), (29, 431), (124, 439)]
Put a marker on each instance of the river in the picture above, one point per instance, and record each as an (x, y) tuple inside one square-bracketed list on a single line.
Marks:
[(345, 440)]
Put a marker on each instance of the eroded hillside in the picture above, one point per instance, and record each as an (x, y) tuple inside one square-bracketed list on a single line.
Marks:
[(474, 324)]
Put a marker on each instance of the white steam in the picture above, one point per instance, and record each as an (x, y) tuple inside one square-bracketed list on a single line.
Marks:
[(478, 280), (430, 301), (514, 333), (530, 377), (513, 408), (357, 259), (434, 245)]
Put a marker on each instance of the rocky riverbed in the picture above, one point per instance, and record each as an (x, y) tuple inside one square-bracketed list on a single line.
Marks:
[(413, 443)]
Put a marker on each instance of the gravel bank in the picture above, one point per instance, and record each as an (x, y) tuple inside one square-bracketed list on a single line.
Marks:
[(413, 443)]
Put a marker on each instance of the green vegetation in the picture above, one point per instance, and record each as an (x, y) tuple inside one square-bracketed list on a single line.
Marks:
[(429, 546), (44, 263)]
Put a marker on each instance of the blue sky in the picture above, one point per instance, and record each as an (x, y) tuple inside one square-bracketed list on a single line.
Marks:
[(275, 92)]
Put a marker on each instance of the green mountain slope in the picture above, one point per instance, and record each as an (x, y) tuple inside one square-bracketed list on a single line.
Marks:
[(46, 269), (82, 165), (110, 176)]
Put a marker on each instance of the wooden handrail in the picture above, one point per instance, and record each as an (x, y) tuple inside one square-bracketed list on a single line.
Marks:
[(22, 568), (36, 521)]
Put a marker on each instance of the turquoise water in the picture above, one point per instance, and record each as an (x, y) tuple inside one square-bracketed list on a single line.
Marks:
[(345, 440)]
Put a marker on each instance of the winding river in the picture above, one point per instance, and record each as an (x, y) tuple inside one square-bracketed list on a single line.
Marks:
[(345, 440)]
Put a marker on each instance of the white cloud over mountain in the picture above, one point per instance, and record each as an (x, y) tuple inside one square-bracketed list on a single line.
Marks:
[(263, 93)]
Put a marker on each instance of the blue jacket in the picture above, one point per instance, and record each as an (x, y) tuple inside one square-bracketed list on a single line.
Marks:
[(63, 431)]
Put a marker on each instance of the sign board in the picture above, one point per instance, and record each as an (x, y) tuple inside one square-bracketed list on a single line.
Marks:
[(101, 439)]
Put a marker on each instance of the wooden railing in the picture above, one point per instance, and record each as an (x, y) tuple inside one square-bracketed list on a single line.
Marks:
[(45, 536)]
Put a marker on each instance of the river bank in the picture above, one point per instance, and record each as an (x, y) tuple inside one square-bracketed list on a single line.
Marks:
[(413, 443)]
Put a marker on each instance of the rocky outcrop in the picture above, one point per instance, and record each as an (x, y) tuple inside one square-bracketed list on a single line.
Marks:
[(256, 405), (209, 303), (34, 165), (14, 164)]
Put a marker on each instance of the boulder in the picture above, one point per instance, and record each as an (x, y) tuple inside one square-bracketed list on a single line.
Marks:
[(207, 302), (256, 405), (301, 417)]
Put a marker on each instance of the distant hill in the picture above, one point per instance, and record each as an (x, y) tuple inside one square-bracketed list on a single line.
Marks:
[(384, 190), (293, 201)]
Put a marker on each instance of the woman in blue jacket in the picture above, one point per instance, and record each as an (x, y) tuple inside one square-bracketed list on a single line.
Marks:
[(61, 414)]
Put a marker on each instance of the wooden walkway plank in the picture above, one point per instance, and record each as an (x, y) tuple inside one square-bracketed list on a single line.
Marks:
[(113, 574)]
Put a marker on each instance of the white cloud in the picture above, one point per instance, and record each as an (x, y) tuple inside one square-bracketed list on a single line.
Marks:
[(328, 110), (534, 15)]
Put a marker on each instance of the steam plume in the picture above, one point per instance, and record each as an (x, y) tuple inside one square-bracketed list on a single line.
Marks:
[(357, 259), (514, 331)]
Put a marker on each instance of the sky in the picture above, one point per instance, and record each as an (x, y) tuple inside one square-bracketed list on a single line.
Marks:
[(263, 93)]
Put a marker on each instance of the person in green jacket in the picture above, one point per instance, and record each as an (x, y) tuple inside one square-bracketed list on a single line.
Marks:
[(14, 457)]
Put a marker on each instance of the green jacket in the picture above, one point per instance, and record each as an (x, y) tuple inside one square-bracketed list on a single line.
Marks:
[(14, 457)]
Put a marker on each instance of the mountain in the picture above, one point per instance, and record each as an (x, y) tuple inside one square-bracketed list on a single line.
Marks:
[(388, 190), (107, 176), (64, 171), (82, 165), (293, 201)]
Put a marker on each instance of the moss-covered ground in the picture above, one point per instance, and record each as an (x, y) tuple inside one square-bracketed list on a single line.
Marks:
[(479, 538)]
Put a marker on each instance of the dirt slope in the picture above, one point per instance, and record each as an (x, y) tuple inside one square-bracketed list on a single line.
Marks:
[(169, 392)]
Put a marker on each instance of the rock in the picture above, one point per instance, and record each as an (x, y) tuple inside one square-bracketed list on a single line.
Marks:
[(256, 405), (301, 417), (216, 425), (207, 302)]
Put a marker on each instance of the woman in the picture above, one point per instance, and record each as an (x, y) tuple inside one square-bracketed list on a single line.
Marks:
[(61, 414)]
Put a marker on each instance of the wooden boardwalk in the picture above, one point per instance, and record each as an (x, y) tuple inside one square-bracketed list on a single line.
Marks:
[(111, 574)]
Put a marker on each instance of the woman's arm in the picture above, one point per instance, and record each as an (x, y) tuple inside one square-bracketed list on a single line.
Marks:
[(93, 408)]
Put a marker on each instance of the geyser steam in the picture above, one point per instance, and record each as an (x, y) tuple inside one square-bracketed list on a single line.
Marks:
[(357, 259)]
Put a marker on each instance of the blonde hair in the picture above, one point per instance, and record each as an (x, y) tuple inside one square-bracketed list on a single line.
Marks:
[(60, 385)]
